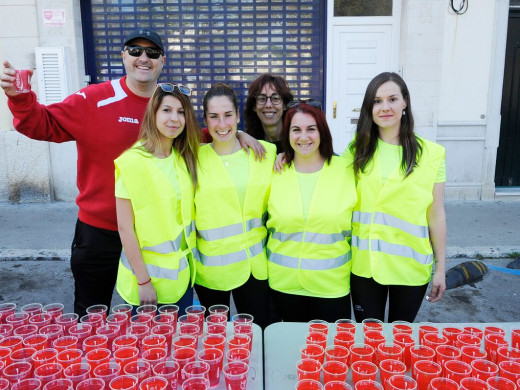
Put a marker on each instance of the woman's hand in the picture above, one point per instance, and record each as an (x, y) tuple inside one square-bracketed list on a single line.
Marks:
[(438, 287), (279, 164), (147, 294), (247, 141)]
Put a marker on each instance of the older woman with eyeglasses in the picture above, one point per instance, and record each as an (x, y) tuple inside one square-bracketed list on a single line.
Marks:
[(155, 182), (310, 211)]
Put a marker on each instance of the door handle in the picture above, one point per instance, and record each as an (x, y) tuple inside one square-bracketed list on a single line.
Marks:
[(334, 108), (356, 110)]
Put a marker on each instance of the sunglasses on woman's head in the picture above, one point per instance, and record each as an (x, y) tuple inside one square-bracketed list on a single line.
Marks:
[(311, 102), (168, 87), (151, 52)]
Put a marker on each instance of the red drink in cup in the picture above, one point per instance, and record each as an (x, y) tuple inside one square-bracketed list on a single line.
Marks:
[(406, 341), (95, 342), (154, 355), (141, 369), (423, 329), (214, 341), (318, 326), (334, 371), (443, 384), (48, 372), (91, 384), (127, 340), (515, 338), (344, 338), (66, 320), (125, 355), (394, 352), (368, 384), (372, 324), (44, 356), (451, 333), (443, 353), (15, 372), (345, 325), (473, 384), (111, 331), (402, 327), (25, 330), (59, 384), (483, 369), (424, 372), (308, 369), (153, 383), (196, 384), (508, 353), (235, 374), (69, 356), (337, 353), (421, 352), (312, 351), (389, 367), (183, 356), (98, 356), (167, 332), (123, 382), (500, 383), (77, 372), (185, 340), (25, 384), (214, 357), (362, 370), (98, 309), (81, 331), (456, 370), (472, 352), (65, 342), (238, 355), (22, 355), (492, 341), (308, 384), (510, 370), (239, 340), (337, 385), (22, 78), (433, 340), (401, 382), (6, 309), (361, 352), (107, 372), (168, 370)]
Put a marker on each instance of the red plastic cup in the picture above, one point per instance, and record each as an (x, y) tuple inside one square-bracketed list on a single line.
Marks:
[(196, 384), (500, 383), (246, 329), (111, 331), (91, 384), (242, 318), (344, 338), (515, 338), (6, 330), (123, 309), (195, 369), (472, 352), (394, 352), (483, 369), (492, 341), (318, 326), (124, 341), (155, 355), (214, 328), (18, 319), (22, 80), (123, 382), (217, 318), (451, 333), (361, 352), (509, 370), (239, 340), (337, 353), (44, 356), (36, 341), (107, 372), (185, 340), (473, 331), (372, 324), (139, 330), (169, 370), (337, 385), (173, 310), (508, 353), (125, 355), (423, 329), (81, 331), (433, 340), (166, 331), (345, 325), (32, 308), (421, 352), (183, 356), (456, 370), (143, 319), (53, 332), (22, 355), (66, 320), (214, 341), (54, 309), (69, 356), (235, 375), (401, 382), (24, 384), (77, 372), (4, 384), (65, 342), (389, 367), (402, 327), (363, 370), (15, 372), (214, 357), (153, 383), (473, 384), (443, 384), (6, 309), (12, 342), (48, 372), (200, 312), (406, 341), (494, 330), (41, 319), (147, 309), (98, 309), (374, 338), (94, 342), (307, 369), (368, 384), (334, 371), (218, 309), (59, 384), (445, 352), (25, 330), (5, 355), (120, 320), (163, 319), (93, 319), (141, 369), (424, 371), (98, 356), (238, 355), (153, 341), (312, 351), (308, 384)]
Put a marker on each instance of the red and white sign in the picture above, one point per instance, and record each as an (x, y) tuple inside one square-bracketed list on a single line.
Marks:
[(54, 17)]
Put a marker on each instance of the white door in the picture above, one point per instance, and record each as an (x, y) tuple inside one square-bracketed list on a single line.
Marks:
[(358, 48)]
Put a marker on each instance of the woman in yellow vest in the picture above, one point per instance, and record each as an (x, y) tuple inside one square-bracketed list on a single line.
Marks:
[(399, 224), (310, 211), (155, 181), (230, 203)]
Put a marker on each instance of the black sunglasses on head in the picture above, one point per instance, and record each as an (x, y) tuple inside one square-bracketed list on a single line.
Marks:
[(311, 102), (169, 87), (151, 52)]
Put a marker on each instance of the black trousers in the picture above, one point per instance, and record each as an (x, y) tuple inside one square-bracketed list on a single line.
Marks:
[(94, 261), (369, 300), (253, 297), (300, 308)]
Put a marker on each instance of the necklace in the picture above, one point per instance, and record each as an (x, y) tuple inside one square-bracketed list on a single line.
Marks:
[(227, 157)]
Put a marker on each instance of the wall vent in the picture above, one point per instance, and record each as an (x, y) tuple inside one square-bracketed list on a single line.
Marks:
[(52, 68)]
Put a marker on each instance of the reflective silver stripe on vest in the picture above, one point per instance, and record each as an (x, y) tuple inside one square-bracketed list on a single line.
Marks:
[(190, 228), (420, 231), (308, 264), (315, 238), (158, 272), (230, 258), (230, 230), (166, 247), (391, 249)]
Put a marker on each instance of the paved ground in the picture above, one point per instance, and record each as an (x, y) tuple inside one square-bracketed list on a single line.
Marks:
[(35, 241)]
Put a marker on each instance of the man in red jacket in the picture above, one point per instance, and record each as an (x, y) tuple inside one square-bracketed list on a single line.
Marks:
[(104, 120)]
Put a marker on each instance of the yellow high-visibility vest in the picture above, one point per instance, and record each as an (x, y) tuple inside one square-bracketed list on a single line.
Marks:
[(312, 254), (154, 203), (231, 238), (390, 235)]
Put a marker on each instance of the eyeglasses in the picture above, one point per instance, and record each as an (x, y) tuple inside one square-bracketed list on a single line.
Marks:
[(261, 100), (151, 52), (311, 102), (168, 87)]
